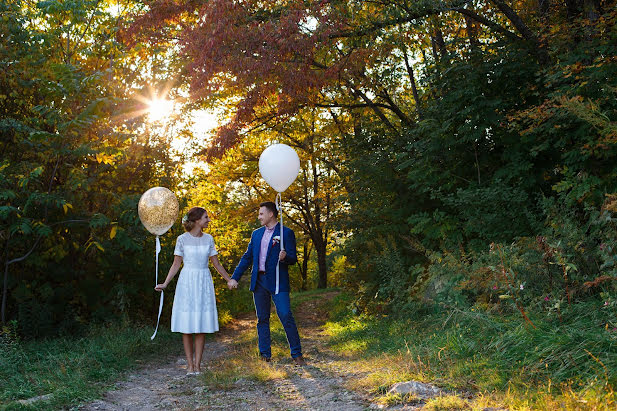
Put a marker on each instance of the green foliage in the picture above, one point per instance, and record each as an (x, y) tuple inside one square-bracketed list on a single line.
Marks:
[(74, 369), (502, 192), (480, 350), (72, 170)]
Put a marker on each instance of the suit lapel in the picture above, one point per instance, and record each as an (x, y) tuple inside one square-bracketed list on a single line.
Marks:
[(257, 246)]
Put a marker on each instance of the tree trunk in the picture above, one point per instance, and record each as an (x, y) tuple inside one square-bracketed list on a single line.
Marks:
[(516, 21), (543, 7), (572, 8), (441, 44), (434, 49), (4, 292), (471, 35), (306, 255), (412, 80), (5, 286), (303, 272), (592, 9), (321, 264), (523, 29)]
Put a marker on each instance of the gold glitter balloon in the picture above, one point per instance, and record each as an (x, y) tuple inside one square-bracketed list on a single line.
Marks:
[(158, 209)]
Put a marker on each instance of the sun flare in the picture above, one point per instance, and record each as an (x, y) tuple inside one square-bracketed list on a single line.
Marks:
[(160, 110)]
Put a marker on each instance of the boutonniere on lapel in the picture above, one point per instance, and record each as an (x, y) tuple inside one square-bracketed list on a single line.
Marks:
[(276, 239)]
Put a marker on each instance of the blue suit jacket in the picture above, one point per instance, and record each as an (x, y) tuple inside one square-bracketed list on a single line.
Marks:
[(251, 258)]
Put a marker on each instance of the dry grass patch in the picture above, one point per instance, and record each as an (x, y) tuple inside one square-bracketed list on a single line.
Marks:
[(446, 402), (223, 373), (376, 375), (396, 399), (243, 362), (550, 397)]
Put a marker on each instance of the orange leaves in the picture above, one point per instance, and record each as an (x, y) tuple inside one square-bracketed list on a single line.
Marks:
[(292, 51), (599, 280)]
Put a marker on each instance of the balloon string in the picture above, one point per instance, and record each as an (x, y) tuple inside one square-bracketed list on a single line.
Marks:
[(156, 278), (279, 207)]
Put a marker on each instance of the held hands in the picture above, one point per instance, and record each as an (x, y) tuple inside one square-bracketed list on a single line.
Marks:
[(282, 255), (231, 284)]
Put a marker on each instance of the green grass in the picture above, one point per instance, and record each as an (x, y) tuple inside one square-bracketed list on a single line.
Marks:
[(507, 361), (300, 297), (280, 347), (76, 369), (79, 368), (568, 364)]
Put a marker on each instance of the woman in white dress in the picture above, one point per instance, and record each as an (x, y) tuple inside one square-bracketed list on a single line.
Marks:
[(194, 309)]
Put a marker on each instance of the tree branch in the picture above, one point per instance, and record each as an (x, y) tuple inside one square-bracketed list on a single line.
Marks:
[(492, 25)]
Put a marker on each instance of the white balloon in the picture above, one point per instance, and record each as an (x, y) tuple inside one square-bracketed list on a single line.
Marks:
[(279, 165)]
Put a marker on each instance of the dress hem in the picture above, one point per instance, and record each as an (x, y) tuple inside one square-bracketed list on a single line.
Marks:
[(196, 332)]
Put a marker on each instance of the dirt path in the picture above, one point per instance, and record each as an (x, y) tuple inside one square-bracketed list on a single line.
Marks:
[(234, 378)]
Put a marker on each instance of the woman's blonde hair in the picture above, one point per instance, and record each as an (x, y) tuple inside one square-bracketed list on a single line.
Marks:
[(189, 219)]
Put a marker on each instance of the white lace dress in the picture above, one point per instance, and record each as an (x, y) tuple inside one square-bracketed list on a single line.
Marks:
[(194, 309)]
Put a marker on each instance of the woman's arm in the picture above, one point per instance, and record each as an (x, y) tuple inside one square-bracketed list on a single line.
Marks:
[(217, 264), (173, 270)]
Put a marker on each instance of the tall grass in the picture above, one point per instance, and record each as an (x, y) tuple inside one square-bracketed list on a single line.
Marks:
[(499, 356), (75, 369)]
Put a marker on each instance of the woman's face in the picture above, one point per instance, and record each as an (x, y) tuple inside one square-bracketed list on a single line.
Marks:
[(204, 220)]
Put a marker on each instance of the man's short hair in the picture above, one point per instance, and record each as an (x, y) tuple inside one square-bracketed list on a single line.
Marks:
[(270, 206)]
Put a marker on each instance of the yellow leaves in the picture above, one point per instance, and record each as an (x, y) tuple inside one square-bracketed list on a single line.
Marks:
[(92, 242), (104, 158), (112, 233), (66, 207)]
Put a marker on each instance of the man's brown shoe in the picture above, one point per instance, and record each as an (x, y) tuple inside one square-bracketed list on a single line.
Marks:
[(300, 360)]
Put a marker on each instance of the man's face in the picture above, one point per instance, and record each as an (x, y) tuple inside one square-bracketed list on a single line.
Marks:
[(265, 216)]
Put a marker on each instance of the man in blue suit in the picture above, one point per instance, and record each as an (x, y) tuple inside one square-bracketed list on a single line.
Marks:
[(264, 254)]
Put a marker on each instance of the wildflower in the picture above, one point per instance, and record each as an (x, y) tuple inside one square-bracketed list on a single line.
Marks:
[(546, 298), (605, 303), (494, 287), (522, 287)]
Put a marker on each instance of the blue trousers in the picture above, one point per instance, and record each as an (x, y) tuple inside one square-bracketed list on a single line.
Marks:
[(262, 298)]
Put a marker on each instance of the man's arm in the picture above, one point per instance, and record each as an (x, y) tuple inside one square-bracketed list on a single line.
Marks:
[(245, 262), (290, 248)]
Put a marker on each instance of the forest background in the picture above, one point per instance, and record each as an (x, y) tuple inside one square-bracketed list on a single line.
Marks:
[(457, 157)]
